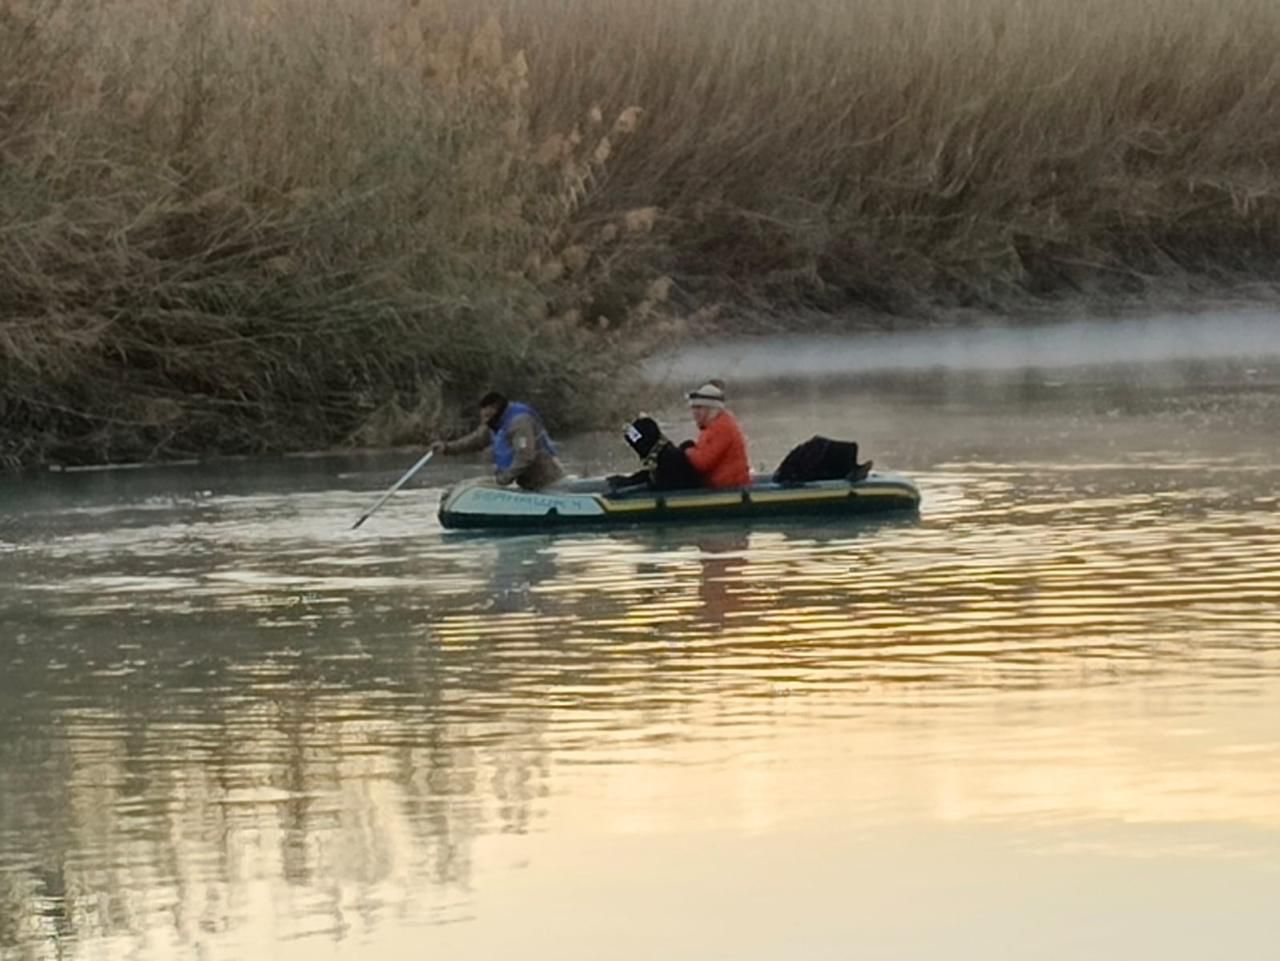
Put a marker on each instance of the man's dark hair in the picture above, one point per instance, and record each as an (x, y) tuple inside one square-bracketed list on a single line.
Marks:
[(493, 399)]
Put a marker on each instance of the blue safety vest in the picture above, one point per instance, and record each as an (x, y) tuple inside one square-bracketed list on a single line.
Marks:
[(504, 454)]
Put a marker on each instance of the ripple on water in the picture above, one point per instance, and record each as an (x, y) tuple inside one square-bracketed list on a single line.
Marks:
[(239, 700)]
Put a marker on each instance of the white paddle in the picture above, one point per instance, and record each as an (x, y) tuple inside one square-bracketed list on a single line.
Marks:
[(394, 487)]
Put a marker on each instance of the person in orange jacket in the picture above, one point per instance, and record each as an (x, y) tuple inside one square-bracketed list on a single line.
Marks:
[(719, 454)]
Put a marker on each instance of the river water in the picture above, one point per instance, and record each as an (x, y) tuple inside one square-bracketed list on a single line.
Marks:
[(1037, 721)]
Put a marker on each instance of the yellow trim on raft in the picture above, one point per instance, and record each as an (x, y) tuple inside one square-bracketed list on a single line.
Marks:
[(727, 499), (627, 506), (733, 498), (787, 496), (828, 494)]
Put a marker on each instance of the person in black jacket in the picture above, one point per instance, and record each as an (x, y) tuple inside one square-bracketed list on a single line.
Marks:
[(664, 466)]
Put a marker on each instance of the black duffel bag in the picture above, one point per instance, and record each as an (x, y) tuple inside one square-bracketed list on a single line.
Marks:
[(821, 458)]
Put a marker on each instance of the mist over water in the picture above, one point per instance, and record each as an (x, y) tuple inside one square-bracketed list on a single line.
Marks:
[(1147, 341)]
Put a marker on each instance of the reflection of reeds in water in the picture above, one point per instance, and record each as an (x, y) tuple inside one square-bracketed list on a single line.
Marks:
[(1037, 653), (134, 827)]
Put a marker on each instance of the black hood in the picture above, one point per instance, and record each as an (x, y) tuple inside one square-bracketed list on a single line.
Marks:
[(643, 435)]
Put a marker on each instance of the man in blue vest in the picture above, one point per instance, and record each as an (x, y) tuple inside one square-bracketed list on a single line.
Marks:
[(522, 450)]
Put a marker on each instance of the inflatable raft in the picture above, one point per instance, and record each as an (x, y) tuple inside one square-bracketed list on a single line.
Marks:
[(481, 504)]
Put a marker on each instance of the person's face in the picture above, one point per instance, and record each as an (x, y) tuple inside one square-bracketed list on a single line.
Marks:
[(702, 416), (488, 413)]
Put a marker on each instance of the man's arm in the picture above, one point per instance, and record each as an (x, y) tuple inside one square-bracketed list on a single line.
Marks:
[(477, 440), (523, 432)]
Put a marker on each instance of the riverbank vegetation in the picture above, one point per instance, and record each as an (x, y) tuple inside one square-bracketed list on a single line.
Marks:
[(265, 225)]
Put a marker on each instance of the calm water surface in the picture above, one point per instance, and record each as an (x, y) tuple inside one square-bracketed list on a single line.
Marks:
[(1040, 721)]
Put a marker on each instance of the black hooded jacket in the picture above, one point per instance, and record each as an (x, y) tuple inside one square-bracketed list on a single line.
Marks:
[(664, 465)]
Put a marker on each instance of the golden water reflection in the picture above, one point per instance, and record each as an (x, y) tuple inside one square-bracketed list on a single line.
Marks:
[(225, 732)]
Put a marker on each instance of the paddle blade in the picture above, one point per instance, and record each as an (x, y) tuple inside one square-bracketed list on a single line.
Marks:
[(394, 487)]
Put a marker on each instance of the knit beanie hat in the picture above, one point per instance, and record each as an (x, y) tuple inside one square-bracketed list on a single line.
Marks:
[(708, 395)]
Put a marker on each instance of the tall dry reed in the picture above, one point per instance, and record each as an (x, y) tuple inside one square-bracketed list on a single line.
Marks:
[(231, 227), (915, 152), (265, 224)]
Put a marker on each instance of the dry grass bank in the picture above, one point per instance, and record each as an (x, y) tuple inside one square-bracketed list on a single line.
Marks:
[(230, 227), (260, 225), (902, 153)]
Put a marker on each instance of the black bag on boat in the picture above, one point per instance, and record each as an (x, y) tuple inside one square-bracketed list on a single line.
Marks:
[(821, 458)]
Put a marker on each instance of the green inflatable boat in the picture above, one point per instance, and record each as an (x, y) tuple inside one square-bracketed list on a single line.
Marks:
[(481, 504)]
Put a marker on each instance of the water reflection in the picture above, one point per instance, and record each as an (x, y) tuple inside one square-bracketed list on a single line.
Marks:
[(227, 724)]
